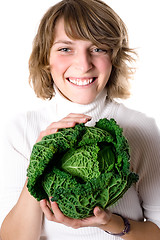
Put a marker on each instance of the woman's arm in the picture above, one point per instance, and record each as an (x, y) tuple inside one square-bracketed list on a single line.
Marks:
[(24, 221), (143, 230)]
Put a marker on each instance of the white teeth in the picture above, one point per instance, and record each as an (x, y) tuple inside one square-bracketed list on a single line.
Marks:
[(79, 82)]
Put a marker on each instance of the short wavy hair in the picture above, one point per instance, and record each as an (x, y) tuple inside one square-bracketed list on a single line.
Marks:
[(94, 21)]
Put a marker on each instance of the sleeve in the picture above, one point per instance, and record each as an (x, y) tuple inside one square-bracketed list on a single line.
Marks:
[(13, 165), (144, 138)]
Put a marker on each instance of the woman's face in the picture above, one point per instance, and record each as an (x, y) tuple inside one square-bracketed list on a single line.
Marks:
[(80, 70)]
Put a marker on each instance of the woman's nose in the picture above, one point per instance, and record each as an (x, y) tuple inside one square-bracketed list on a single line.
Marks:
[(83, 62)]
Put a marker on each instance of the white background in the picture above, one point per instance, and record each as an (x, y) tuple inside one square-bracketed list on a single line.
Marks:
[(19, 20)]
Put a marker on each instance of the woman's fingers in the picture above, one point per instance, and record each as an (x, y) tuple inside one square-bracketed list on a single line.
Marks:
[(61, 124), (46, 210), (99, 219), (46, 132), (69, 121), (103, 216), (58, 214), (78, 115), (53, 213), (61, 218), (78, 118)]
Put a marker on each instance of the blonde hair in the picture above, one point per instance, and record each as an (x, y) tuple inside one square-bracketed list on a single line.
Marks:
[(94, 21)]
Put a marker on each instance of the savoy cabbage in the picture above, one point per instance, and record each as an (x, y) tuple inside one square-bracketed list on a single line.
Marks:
[(81, 167)]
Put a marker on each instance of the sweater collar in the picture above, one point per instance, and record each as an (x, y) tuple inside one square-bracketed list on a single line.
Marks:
[(94, 109)]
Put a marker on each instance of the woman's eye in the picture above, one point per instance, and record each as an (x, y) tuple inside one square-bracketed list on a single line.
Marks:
[(64, 50), (99, 50)]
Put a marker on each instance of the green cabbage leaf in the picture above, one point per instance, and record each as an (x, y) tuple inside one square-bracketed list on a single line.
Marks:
[(81, 167)]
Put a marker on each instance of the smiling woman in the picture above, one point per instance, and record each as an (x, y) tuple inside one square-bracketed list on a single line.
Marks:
[(100, 28), (78, 70)]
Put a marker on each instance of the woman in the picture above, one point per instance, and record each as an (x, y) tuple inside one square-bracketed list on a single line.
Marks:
[(79, 62)]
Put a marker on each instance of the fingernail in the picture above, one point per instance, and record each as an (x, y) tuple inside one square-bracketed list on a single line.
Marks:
[(54, 130), (98, 210), (89, 118), (86, 119)]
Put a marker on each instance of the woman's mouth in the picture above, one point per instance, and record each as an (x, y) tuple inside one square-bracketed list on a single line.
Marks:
[(81, 81)]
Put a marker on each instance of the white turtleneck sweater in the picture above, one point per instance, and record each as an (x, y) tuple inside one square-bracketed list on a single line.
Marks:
[(140, 201)]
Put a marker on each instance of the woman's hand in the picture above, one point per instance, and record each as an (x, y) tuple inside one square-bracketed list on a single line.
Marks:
[(69, 121), (100, 217)]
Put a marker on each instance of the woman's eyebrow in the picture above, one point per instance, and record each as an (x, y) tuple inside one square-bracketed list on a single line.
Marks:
[(63, 41)]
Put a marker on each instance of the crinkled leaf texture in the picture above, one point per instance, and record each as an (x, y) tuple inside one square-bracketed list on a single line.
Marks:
[(81, 167)]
